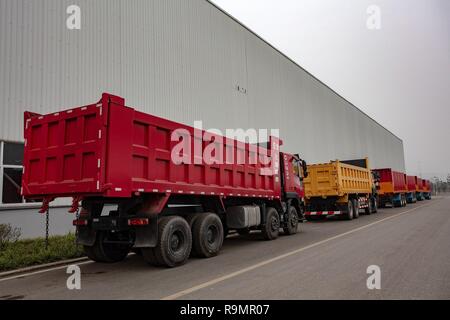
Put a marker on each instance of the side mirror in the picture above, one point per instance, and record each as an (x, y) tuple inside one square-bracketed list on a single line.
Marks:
[(305, 169)]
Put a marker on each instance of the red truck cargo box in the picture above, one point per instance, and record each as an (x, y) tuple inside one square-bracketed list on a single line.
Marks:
[(426, 185), (108, 149), (419, 184), (391, 181), (411, 182)]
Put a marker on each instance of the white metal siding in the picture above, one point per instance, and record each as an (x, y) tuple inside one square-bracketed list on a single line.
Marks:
[(180, 59)]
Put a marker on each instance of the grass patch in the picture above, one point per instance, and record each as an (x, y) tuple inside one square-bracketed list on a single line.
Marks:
[(30, 252)]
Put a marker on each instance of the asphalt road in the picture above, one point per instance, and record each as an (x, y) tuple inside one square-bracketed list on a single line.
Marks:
[(326, 260)]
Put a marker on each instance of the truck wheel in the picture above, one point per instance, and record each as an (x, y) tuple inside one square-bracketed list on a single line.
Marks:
[(271, 229), (349, 211), (368, 209), (373, 205), (191, 218), (396, 203), (105, 252), (174, 242), (207, 235), (355, 208), (292, 221)]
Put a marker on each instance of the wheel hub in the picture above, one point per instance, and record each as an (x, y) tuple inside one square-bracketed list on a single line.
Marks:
[(211, 235), (175, 242)]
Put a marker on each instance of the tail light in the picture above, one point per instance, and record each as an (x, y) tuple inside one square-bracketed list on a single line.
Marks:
[(138, 222), (80, 222)]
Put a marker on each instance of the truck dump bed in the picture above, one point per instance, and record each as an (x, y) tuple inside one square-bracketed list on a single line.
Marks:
[(336, 179), (110, 150), (391, 181), (419, 184), (411, 183), (426, 186)]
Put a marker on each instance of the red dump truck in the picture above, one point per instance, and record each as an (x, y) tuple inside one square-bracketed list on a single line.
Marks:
[(411, 194), (426, 187), (419, 189), (118, 164), (392, 187)]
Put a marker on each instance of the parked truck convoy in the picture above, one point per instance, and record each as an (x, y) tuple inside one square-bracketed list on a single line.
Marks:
[(340, 188), (426, 189), (130, 194)]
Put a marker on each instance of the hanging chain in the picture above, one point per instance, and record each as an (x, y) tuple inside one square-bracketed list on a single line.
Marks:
[(77, 217), (46, 228)]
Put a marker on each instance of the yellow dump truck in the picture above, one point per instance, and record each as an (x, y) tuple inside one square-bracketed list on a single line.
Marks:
[(340, 188)]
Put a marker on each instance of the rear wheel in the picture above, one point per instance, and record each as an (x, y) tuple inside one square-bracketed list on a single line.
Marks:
[(104, 250), (355, 208), (349, 211), (271, 229), (396, 203), (292, 221), (174, 243), (373, 205), (207, 235), (368, 208)]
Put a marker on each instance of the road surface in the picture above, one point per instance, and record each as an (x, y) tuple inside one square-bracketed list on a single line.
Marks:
[(326, 260)]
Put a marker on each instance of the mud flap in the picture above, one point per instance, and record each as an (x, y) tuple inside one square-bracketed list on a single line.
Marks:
[(147, 236), (86, 236)]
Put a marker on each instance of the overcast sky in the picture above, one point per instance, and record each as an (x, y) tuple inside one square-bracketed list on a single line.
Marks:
[(398, 74)]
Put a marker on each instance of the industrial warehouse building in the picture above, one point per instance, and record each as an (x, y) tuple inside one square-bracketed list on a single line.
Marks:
[(185, 60)]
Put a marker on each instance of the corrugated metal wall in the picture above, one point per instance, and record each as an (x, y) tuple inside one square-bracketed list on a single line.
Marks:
[(180, 59)]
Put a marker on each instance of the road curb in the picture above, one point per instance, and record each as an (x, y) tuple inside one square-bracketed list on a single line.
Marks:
[(41, 266)]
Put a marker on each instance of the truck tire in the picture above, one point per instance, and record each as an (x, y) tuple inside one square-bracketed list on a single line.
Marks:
[(368, 209), (348, 211), (106, 252), (292, 221), (355, 203), (191, 219), (207, 235), (271, 229), (373, 205), (396, 203), (174, 242)]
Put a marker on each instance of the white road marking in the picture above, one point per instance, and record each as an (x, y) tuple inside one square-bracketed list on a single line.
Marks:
[(288, 254), (44, 271)]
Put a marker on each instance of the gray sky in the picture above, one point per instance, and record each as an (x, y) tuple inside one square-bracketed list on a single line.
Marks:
[(399, 75)]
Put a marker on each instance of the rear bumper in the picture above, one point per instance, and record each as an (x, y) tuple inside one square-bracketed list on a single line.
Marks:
[(323, 213)]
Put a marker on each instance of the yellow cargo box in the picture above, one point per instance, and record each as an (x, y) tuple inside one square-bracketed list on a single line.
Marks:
[(337, 179)]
